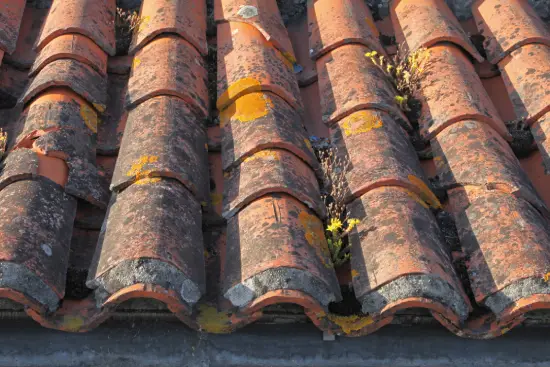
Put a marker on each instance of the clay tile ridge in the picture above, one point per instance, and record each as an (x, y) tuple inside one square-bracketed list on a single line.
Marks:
[(264, 15), (508, 25), (425, 23)]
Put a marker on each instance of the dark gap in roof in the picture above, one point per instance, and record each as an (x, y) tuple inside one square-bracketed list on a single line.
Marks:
[(126, 22), (39, 4), (291, 9), (349, 304), (75, 285), (523, 142)]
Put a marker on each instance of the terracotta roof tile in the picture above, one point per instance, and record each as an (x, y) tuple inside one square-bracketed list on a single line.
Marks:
[(471, 153), (333, 23), (249, 64), (185, 18), (292, 254), (259, 121), (61, 125), (508, 25), (168, 65), (391, 159), (91, 18), (426, 23), (526, 73), (36, 227), (169, 142), (71, 46), (263, 15), (271, 171), (79, 77), (158, 247), (398, 252), (11, 14), (219, 222), (348, 83), (451, 91), (24, 54), (506, 242)]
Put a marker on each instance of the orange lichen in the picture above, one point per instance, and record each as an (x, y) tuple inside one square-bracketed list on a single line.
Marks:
[(213, 321), (71, 323), (361, 122), (249, 107), (89, 116), (350, 324), (99, 107), (372, 26), (417, 199), (216, 198), (235, 89), (425, 193), (315, 236)]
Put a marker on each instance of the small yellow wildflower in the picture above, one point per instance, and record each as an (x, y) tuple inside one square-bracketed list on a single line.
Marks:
[(371, 54), (335, 225)]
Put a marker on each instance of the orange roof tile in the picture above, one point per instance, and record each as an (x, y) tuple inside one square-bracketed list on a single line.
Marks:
[(118, 168)]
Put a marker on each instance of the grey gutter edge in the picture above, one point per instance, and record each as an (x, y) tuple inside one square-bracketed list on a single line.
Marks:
[(167, 344)]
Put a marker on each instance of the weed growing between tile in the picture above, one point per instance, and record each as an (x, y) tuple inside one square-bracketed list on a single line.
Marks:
[(126, 22), (404, 71), (338, 225)]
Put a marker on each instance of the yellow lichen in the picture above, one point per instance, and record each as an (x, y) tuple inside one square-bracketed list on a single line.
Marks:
[(354, 273), (361, 122), (143, 23), (417, 199), (99, 107), (546, 277), (72, 323), (141, 174), (371, 25), (349, 324), (308, 144), (216, 198), (136, 62), (425, 193), (290, 57), (213, 321), (89, 116), (263, 154), (147, 180), (315, 236), (235, 89), (247, 108)]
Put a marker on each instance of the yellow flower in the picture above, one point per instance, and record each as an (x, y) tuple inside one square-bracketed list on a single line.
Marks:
[(334, 225), (371, 54), (352, 223)]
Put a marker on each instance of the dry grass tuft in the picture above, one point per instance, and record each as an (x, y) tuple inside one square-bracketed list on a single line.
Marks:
[(338, 224), (404, 71), (126, 23)]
